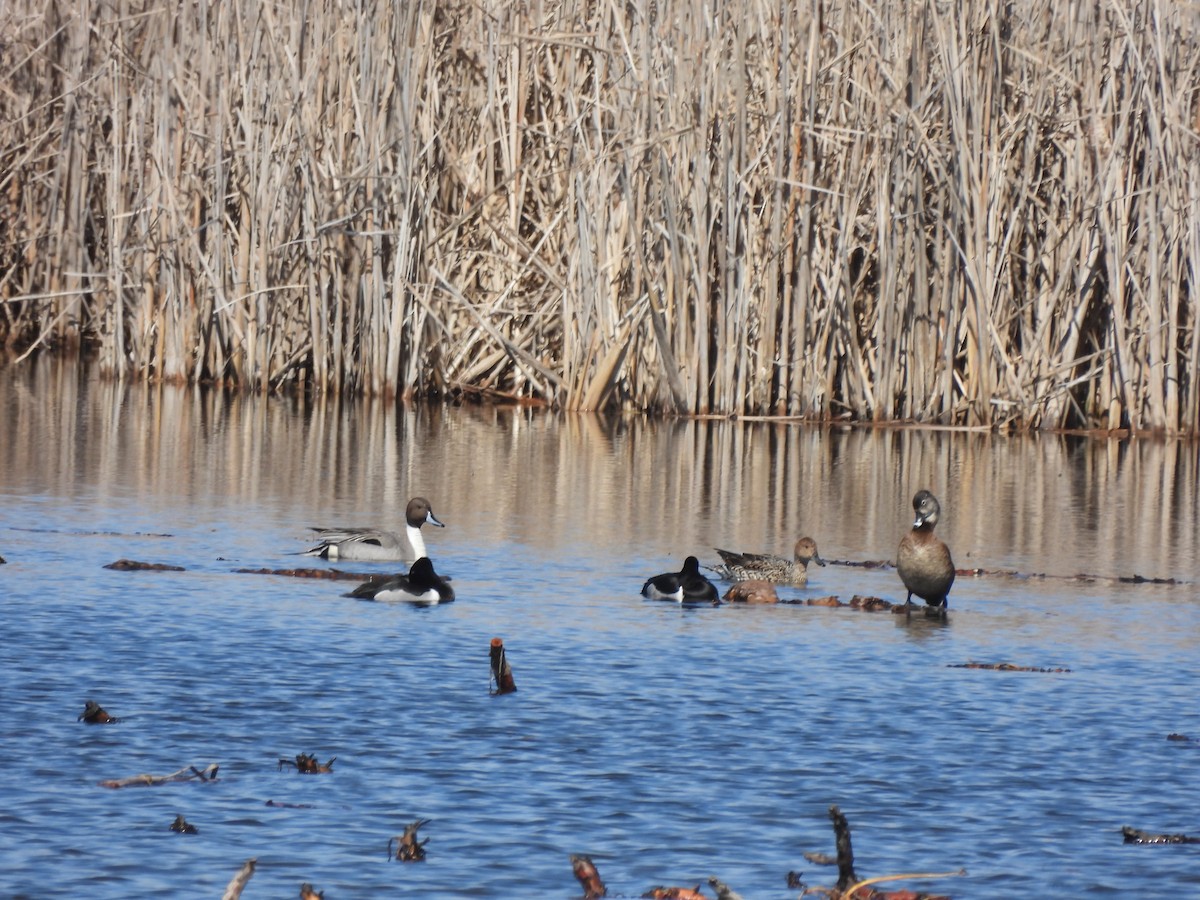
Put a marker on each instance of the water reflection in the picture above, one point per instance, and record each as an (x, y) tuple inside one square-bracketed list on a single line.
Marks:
[(612, 487)]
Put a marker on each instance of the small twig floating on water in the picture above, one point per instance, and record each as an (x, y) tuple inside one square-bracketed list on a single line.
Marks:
[(132, 565), (183, 826), (1002, 667), (94, 714), (502, 675), (408, 848), (238, 884), (306, 764), (589, 876), (189, 773), (1135, 836)]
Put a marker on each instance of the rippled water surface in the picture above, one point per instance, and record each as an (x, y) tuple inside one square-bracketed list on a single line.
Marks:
[(667, 744)]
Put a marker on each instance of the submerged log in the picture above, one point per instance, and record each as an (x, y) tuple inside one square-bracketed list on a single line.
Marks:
[(752, 591), (132, 565), (589, 876), (871, 604), (1135, 836), (329, 574), (408, 848), (307, 764), (183, 826), (94, 714), (1002, 667), (190, 773), (502, 675), (238, 884), (824, 601)]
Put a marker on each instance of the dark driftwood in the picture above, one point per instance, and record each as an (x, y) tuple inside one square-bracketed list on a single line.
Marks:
[(190, 773), (845, 852), (238, 884), (132, 565), (502, 675), (329, 574), (306, 764), (1135, 836), (1002, 667), (589, 876)]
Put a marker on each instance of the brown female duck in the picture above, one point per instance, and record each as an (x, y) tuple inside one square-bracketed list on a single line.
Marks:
[(923, 561)]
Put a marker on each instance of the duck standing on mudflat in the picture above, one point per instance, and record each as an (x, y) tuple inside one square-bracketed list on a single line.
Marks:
[(765, 567), (687, 586), (422, 585), (375, 544), (923, 561)]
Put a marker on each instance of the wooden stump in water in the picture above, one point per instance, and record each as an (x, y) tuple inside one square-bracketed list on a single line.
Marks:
[(501, 671)]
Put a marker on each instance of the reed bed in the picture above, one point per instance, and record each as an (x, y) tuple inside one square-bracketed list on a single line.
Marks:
[(967, 213)]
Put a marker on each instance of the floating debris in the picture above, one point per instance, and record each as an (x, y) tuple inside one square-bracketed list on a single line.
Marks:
[(849, 886), (238, 884), (873, 604), (408, 848), (94, 714), (190, 773), (307, 764), (326, 574), (674, 893), (980, 572), (753, 590), (183, 826), (831, 602), (589, 876), (1002, 667), (502, 676), (132, 565), (1135, 836), (280, 804), (724, 891)]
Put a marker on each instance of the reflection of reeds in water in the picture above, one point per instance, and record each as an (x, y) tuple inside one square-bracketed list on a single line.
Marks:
[(959, 213), (583, 487)]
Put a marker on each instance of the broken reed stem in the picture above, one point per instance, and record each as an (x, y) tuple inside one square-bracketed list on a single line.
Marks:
[(957, 214)]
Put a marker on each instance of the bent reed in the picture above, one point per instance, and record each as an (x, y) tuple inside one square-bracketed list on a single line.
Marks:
[(965, 213)]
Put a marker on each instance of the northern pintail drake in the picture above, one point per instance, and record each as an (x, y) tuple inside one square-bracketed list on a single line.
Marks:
[(376, 544), (687, 586), (422, 585), (776, 569), (923, 560)]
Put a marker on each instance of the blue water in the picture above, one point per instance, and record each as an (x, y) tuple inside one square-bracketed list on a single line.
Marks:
[(669, 745)]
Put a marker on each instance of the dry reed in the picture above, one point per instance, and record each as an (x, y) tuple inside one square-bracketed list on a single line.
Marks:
[(965, 213)]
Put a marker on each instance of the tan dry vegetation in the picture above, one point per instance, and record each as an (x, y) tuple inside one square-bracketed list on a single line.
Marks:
[(964, 213)]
